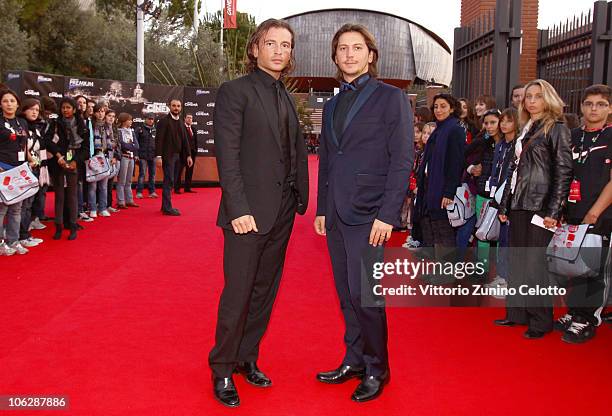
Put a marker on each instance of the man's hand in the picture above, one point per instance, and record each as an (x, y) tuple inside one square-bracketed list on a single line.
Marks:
[(158, 161), (319, 225), (380, 233), (502, 218), (189, 161), (244, 224), (446, 202)]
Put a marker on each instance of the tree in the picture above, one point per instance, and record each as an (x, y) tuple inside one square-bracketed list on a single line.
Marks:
[(15, 49)]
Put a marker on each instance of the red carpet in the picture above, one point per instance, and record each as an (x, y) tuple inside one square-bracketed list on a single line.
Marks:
[(122, 320)]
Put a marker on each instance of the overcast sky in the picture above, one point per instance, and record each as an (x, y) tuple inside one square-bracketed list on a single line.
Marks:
[(440, 16)]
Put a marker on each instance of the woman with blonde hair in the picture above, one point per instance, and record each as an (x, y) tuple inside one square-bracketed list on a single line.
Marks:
[(539, 181)]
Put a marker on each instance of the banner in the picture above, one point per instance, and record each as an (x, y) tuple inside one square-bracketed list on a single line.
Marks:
[(200, 102), (229, 15), (36, 85), (125, 96)]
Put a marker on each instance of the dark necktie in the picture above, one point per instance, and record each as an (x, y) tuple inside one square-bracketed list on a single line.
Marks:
[(283, 120)]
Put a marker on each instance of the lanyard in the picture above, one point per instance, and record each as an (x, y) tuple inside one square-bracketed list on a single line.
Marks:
[(582, 158)]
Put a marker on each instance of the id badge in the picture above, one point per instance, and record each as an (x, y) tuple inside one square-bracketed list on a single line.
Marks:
[(493, 190), (574, 193), (69, 155), (488, 186), (21, 156)]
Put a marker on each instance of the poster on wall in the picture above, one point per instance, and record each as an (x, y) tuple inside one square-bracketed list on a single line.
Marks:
[(200, 102), (126, 97)]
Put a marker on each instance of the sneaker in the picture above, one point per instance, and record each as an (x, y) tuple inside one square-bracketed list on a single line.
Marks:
[(105, 213), (139, 195), (37, 225), (19, 248), (28, 243), (36, 240), (563, 323), (5, 250), (84, 217), (153, 195), (579, 331), (411, 243), (112, 209), (93, 214)]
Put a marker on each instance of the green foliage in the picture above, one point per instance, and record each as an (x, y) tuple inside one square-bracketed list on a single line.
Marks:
[(57, 36), (234, 40), (15, 48)]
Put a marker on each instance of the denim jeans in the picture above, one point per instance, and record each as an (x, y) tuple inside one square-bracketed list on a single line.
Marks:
[(124, 184), (13, 214), (40, 199), (97, 195), (26, 217), (168, 165), (143, 167)]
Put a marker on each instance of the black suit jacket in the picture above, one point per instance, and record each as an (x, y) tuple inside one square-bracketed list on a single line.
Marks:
[(249, 155), (163, 144), (193, 140)]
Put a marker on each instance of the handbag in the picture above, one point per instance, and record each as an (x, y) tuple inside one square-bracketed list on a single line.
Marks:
[(97, 168), (574, 252), (17, 184), (488, 229), (463, 207)]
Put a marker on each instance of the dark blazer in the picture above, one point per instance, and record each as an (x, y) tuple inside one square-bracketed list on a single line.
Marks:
[(249, 155), (193, 139), (364, 173), (164, 146)]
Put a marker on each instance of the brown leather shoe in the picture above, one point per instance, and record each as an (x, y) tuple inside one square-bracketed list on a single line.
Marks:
[(132, 204)]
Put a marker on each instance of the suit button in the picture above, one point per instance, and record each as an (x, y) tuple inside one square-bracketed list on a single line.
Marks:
[(278, 184)]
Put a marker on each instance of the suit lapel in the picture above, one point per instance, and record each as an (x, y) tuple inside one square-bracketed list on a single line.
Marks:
[(293, 121), (361, 100), (329, 122), (271, 113)]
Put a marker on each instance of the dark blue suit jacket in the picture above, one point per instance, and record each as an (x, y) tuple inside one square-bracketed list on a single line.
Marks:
[(364, 173)]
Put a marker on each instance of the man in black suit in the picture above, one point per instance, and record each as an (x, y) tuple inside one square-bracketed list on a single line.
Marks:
[(192, 137), (171, 146), (366, 154), (263, 170)]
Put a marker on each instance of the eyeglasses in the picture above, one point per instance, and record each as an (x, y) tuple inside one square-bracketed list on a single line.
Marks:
[(600, 105)]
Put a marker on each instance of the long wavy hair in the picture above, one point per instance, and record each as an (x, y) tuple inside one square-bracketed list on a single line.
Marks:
[(553, 106)]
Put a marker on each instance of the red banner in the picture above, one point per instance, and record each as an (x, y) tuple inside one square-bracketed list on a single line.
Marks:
[(229, 15)]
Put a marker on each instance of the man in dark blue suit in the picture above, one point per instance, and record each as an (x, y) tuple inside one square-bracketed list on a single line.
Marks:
[(366, 154)]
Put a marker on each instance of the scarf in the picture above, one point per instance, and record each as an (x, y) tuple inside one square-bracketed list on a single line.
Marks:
[(74, 140)]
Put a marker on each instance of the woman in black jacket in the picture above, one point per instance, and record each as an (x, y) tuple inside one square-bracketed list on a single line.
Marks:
[(539, 183), (69, 144)]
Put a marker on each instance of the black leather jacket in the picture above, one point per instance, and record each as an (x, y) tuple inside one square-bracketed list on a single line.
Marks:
[(544, 173)]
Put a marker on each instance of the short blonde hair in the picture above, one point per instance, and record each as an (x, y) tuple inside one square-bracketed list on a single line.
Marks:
[(553, 106)]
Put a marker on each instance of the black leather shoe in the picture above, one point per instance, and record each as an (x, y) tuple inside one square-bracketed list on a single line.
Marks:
[(253, 374), (534, 334), (225, 391), (370, 388), (190, 191), (504, 322), (341, 374), (172, 212)]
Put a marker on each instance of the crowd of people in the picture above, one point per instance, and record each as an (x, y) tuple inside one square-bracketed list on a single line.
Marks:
[(526, 160), (82, 149)]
